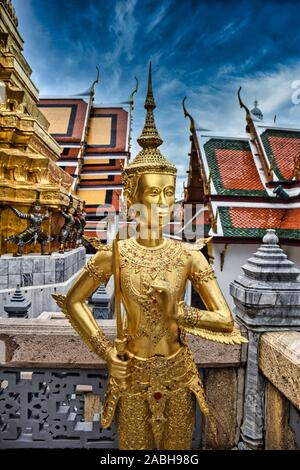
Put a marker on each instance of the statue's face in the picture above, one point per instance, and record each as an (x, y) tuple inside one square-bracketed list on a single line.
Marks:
[(156, 195)]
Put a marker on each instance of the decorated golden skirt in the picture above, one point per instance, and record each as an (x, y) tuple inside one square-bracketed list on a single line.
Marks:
[(156, 380)]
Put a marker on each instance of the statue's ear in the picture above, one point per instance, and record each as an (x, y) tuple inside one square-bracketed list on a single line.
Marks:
[(130, 186), (128, 199)]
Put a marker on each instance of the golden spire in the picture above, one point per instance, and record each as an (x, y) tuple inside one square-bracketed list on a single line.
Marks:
[(149, 159), (149, 137)]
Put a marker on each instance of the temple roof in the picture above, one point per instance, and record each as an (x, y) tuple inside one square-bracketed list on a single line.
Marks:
[(253, 221), (282, 146), (66, 117), (232, 167), (94, 144), (107, 130), (250, 183)]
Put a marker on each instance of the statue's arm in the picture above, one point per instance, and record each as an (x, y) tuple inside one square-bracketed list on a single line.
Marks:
[(217, 317), (96, 271), (21, 215)]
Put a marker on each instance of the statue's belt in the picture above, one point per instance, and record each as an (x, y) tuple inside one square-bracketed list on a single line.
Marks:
[(157, 379)]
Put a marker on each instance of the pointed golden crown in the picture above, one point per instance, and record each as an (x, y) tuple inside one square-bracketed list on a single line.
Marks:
[(149, 159)]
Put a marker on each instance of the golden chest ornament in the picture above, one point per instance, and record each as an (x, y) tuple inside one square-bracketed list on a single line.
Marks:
[(139, 268)]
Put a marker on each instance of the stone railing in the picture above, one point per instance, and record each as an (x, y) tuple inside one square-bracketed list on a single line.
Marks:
[(279, 361), (52, 387)]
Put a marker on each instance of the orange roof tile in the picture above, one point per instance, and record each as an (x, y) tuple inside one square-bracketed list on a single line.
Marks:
[(232, 167), (253, 221), (245, 217), (284, 151), (281, 147), (238, 170), (291, 219)]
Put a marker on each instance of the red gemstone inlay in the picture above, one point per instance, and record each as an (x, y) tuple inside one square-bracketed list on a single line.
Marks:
[(157, 395)]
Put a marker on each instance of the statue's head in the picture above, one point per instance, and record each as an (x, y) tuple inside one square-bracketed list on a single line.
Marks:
[(149, 180), (37, 204), (37, 208)]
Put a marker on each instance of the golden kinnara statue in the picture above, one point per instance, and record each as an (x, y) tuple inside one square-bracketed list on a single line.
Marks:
[(153, 381)]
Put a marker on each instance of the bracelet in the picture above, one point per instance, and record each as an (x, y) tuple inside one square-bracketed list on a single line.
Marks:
[(93, 271), (198, 278), (100, 344), (191, 315)]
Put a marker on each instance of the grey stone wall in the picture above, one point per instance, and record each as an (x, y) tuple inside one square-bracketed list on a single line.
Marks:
[(39, 277), (37, 270)]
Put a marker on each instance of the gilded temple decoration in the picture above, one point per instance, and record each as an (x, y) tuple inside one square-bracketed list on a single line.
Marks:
[(28, 153)]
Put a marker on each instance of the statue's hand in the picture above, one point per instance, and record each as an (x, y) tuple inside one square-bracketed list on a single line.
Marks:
[(166, 299), (180, 310), (117, 367)]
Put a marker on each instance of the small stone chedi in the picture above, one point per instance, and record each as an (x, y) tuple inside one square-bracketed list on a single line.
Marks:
[(154, 383), (267, 299), (28, 153), (18, 305)]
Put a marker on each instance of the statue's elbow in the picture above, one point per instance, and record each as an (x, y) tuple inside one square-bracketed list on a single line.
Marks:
[(228, 326), (227, 321), (71, 303)]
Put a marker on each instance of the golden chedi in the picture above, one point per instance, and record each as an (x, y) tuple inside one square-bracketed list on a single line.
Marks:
[(28, 153), (153, 382)]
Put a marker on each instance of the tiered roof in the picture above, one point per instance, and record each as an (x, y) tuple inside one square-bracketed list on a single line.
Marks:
[(95, 149), (254, 181)]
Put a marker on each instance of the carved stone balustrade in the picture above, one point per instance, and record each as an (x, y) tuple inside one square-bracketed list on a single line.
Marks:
[(279, 361)]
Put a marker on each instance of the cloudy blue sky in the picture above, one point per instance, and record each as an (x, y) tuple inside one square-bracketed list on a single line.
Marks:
[(202, 49)]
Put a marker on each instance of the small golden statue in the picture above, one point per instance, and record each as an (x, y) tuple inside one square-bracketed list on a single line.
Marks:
[(153, 379), (33, 233)]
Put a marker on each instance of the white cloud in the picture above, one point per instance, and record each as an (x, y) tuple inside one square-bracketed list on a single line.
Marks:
[(226, 33), (156, 19)]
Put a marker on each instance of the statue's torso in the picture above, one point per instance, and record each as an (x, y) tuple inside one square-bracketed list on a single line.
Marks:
[(150, 331), (69, 222), (36, 222)]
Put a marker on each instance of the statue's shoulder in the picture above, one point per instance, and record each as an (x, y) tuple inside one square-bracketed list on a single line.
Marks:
[(198, 245), (98, 245)]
